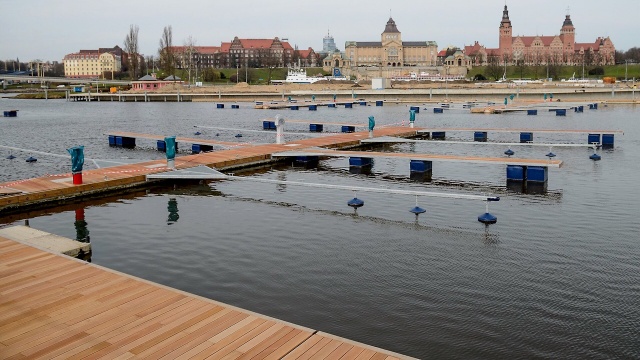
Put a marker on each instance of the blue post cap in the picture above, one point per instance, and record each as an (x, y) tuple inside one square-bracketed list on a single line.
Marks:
[(511, 96), (412, 115), (545, 96), (170, 147), (372, 123), (77, 158), (506, 100), (334, 96), (313, 97)]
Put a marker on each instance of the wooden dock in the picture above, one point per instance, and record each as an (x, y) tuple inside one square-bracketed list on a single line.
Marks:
[(34, 192), (179, 139), (505, 130), (53, 306)]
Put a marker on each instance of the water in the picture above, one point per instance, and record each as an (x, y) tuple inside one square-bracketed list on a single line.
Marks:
[(556, 277)]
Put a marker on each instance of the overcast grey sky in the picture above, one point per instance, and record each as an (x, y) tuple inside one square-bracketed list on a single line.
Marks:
[(49, 29)]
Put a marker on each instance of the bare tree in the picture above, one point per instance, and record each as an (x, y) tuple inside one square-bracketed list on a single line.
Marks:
[(165, 52), (131, 47), (188, 56), (494, 69)]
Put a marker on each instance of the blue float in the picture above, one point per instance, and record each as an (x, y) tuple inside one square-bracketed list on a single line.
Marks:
[(355, 203), (415, 108), (197, 133), (125, 142), (379, 102), (363, 103), (233, 106), (561, 112), (268, 125), (480, 136), (438, 110), (538, 174), (550, 155), (438, 135), (198, 148), (516, 172), (112, 140), (593, 139), (313, 107), (220, 106), (509, 152), (161, 145), (526, 137), (348, 105), (420, 166), (306, 161), (487, 218), (11, 113), (316, 127), (348, 129), (595, 157), (417, 210), (331, 105), (607, 141), (294, 107), (11, 157), (360, 161), (238, 135), (532, 112), (31, 159)]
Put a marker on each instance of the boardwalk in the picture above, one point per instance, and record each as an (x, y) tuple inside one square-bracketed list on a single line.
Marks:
[(35, 191), (56, 307)]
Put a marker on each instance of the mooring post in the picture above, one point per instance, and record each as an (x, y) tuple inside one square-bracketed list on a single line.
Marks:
[(279, 129)]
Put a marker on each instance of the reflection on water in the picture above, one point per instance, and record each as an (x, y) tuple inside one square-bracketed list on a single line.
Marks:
[(82, 231), (173, 211)]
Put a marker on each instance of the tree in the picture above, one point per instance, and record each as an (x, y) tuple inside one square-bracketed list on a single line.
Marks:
[(165, 52), (131, 47), (188, 56), (494, 69)]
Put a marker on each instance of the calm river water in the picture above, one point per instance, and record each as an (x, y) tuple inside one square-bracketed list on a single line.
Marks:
[(557, 277)]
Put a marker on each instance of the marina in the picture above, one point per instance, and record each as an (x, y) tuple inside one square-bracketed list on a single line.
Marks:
[(267, 240)]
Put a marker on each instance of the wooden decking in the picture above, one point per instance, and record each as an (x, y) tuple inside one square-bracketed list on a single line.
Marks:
[(55, 187), (179, 139), (53, 306)]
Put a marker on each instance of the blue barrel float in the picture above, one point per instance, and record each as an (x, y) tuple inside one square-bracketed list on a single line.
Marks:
[(220, 106), (198, 148), (420, 170), (561, 112), (348, 105), (162, 145), (526, 137), (416, 108), (332, 105), (268, 125), (348, 129), (294, 107), (480, 136), (438, 135), (438, 110), (234, 106), (532, 112), (316, 127), (593, 139), (379, 102), (363, 103), (11, 113), (607, 141), (313, 107)]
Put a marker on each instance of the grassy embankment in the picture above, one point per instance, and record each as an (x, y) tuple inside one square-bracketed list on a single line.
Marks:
[(564, 72)]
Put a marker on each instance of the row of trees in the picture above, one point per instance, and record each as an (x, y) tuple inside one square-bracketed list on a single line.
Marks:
[(631, 55)]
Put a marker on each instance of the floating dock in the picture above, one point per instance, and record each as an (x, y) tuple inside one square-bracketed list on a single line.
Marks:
[(57, 306)]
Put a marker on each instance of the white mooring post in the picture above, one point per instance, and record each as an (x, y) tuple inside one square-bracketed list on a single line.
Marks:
[(279, 129)]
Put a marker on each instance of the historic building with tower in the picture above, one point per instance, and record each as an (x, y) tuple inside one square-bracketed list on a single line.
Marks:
[(540, 50)]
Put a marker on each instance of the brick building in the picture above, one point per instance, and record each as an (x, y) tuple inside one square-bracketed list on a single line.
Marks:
[(541, 50)]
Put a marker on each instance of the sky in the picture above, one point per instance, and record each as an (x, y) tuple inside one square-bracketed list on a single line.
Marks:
[(48, 30)]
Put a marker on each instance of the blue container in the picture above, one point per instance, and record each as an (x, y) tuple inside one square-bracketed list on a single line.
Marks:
[(119, 141), (526, 137), (537, 174), (220, 106), (561, 112), (198, 148), (272, 125), (359, 161), (348, 129), (363, 103), (294, 107), (480, 136), (438, 135), (331, 105), (438, 110), (11, 113), (532, 112), (593, 138), (112, 140), (516, 172), (313, 107), (420, 166), (379, 102), (348, 105), (607, 140), (162, 146), (415, 108), (235, 106), (267, 125), (316, 127)]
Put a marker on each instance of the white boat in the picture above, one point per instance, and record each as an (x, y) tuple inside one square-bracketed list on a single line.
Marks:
[(298, 75)]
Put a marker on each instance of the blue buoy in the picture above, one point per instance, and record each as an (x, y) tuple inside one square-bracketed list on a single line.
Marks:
[(487, 218), (595, 157), (31, 159), (550, 155), (418, 210), (509, 152), (238, 135), (217, 134), (197, 133), (11, 157), (355, 203)]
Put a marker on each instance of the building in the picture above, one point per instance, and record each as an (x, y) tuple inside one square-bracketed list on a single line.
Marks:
[(391, 51), (253, 53), (541, 50), (328, 44), (89, 64), (151, 83)]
